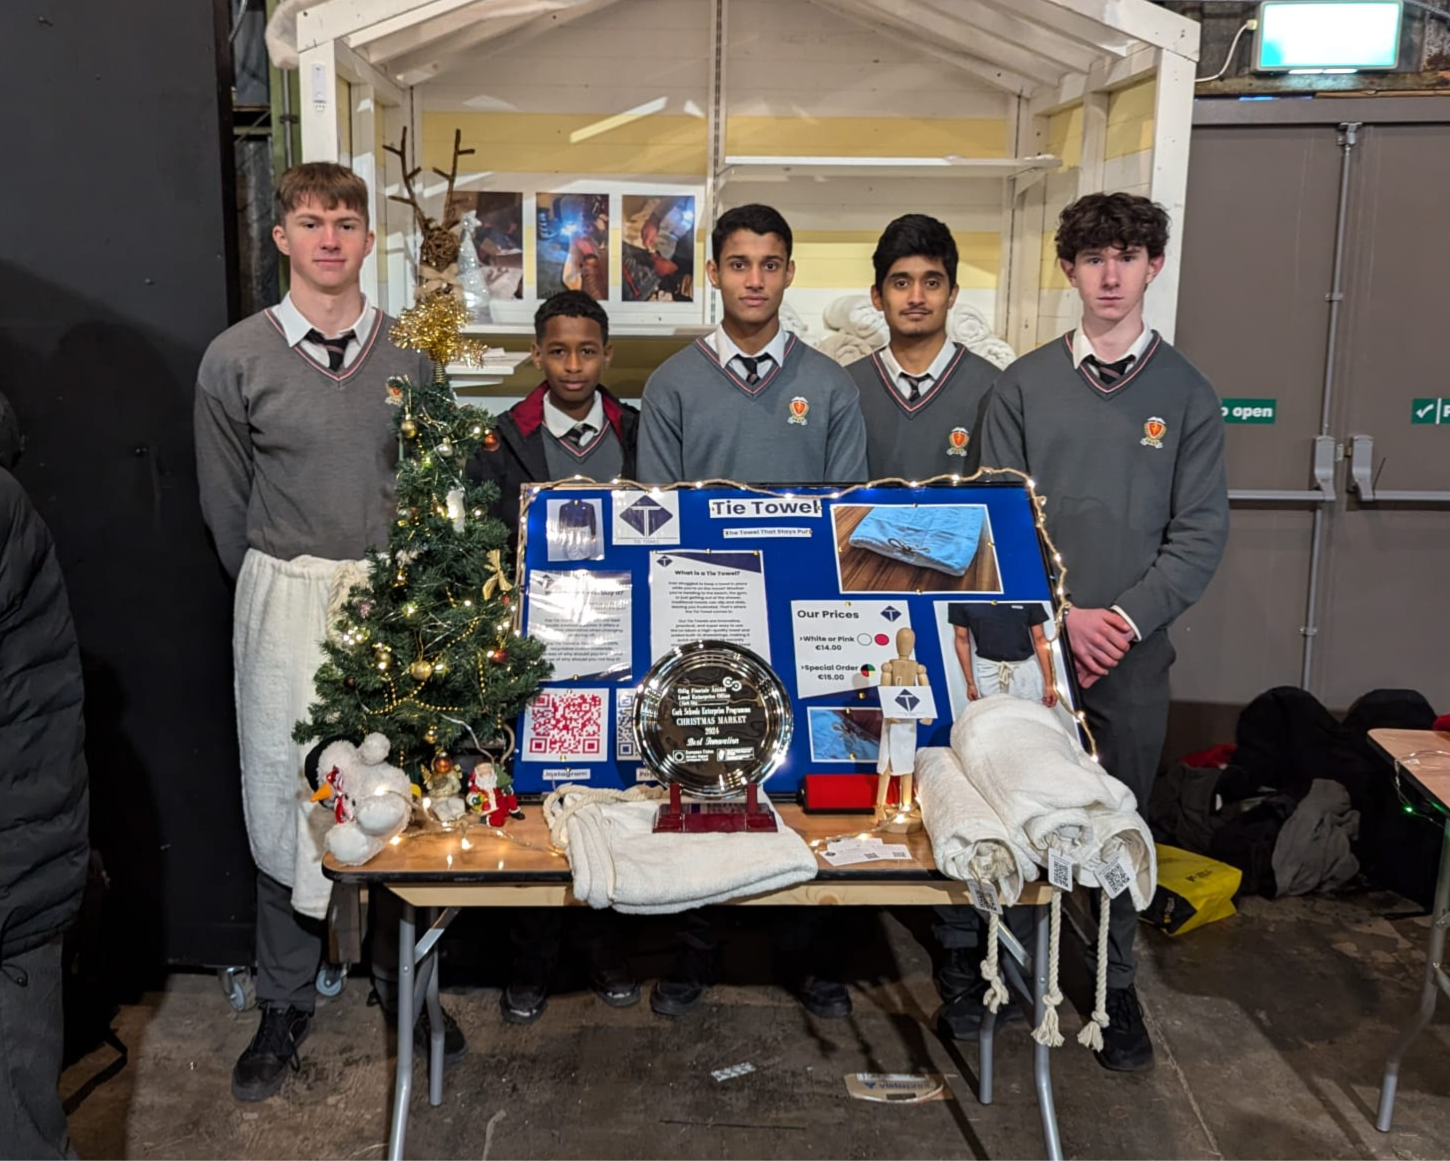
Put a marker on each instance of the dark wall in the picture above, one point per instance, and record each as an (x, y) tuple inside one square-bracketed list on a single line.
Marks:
[(113, 278)]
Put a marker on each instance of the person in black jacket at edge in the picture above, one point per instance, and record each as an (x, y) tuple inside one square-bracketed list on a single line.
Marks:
[(45, 817), (568, 425)]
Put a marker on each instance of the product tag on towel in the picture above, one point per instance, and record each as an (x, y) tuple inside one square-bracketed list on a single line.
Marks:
[(1115, 876), (1059, 871), (984, 896)]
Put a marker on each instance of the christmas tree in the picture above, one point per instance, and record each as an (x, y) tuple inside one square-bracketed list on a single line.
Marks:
[(424, 649)]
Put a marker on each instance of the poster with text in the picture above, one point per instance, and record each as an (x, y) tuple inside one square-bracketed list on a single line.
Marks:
[(707, 596)]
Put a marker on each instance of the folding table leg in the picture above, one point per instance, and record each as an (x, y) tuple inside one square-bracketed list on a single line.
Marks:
[(984, 1056), (1429, 990), (403, 1084), (1041, 1054), (435, 1038)]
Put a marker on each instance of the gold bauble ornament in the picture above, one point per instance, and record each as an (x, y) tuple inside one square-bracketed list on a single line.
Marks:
[(445, 449), (430, 735), (408, 429), (422, 669)]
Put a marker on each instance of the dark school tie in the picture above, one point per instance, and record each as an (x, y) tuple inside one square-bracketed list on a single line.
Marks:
[(335, 348), (1110, 373), (580, 434), (914, 382), (754, 367)]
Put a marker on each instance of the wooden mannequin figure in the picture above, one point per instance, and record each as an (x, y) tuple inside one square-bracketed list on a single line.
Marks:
[(898, 741)]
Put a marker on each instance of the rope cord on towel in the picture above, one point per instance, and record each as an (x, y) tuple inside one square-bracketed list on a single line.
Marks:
[(1047, 1032), (996, 990), (1091, 1035), (557, 812)]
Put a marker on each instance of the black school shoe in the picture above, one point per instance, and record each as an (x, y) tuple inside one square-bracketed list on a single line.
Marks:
[(527, 994), (262, 1068), (455, 1044), (961, 1016), (1126, 1046), (824, 997), (958, 973), (681, 991), (613, 980)]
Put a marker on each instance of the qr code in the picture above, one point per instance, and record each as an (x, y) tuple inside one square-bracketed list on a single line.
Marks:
[(625, 749), (567, 723)]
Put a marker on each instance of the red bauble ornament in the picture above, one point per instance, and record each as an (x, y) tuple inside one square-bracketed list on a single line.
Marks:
[(490, 441), (501, 656)]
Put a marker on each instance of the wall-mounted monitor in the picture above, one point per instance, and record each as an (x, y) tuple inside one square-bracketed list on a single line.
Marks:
[(1328, 35)]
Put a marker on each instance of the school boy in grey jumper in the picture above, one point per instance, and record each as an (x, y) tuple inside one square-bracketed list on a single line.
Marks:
[(920, 392), (296, 463), (754, 404), (750, 401), (1124, 437)]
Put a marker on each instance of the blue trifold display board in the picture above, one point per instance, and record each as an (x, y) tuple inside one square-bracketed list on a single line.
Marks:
[(610, 579)]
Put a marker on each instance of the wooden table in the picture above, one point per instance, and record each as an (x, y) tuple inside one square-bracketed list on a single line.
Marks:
[(517, 867), (1421, 760)]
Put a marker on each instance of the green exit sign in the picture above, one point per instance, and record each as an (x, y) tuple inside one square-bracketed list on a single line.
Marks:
[(1250, 410), (1430, 411)]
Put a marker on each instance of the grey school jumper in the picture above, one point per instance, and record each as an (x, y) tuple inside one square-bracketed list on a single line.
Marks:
[(1141, 519), (926, 438), (602, 460), (801, 424), (1137, 504), (293, 459)]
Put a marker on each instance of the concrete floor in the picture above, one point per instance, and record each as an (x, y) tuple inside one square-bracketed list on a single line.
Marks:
[(1271, 1030)]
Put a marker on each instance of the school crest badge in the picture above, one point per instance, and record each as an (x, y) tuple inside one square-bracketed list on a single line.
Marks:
[(957, 441), (1153, 432), (800, 407), (395, 391)]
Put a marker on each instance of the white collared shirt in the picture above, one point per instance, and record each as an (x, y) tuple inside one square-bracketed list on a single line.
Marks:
[(560, 425), (1082, 346), (726, 350), (933, 373), (295, 328)]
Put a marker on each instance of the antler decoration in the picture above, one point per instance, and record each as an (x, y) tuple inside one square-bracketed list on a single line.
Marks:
[(439, 248), (450, 219)]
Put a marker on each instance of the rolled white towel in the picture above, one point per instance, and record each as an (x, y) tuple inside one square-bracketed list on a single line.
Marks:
[(1035, 776), (968, 840), (1124, 832)]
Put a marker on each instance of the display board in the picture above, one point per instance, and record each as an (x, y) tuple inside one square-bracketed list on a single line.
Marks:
[(817, 581)]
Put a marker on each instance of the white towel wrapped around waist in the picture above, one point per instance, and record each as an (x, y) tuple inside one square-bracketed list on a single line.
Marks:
[(1035, 776), (968, 840), (1124, 832), (618, 861)]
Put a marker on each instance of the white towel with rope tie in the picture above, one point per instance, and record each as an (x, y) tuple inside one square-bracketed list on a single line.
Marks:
[(968, 840), (1035, 776), (618, 861)]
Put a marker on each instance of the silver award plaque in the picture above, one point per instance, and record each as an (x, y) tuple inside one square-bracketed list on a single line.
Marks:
[(713, 719)]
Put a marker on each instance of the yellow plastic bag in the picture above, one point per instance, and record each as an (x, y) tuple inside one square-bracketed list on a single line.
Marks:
[(1192, 890)]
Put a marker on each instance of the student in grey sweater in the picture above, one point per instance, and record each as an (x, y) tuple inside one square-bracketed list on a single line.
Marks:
[(296, 463), (920, 392), (751, 402), (1124, 437)]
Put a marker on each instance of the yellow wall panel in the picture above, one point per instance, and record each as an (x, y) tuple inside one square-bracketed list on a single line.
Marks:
[(1130, 119), (572, 143), (1064, 136), (865, 137), (1051, 275)]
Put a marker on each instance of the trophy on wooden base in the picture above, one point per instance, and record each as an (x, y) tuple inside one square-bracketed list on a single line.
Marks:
[(713, 721)]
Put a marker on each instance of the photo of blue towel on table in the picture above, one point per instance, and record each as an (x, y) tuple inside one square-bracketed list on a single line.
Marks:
[(838, 735), (939, 536)]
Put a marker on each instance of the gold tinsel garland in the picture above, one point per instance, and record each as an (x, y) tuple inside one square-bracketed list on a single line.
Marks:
[(433, 326)]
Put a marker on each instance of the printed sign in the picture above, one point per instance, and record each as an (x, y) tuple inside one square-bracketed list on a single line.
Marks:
[(1250, 410)]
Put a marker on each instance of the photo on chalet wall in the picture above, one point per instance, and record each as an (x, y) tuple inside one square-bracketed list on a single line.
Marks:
[(572, 244), (658, 255)]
